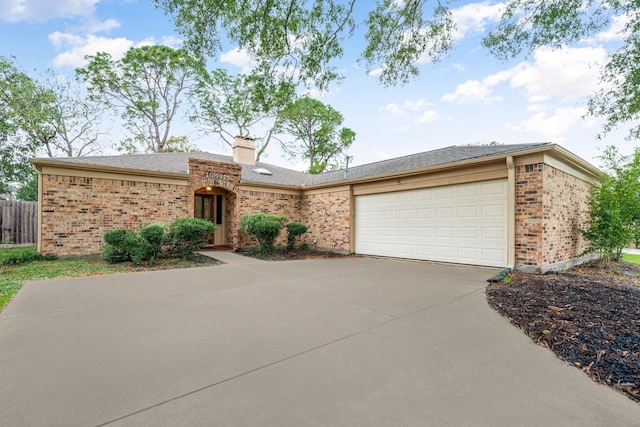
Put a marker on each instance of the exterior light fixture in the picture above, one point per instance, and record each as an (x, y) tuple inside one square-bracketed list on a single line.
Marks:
[(209, 188)]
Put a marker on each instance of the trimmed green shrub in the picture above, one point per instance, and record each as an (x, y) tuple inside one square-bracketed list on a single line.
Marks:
[(182, 237), (137, 248), (122, 245), (267, 231), (248, 222), (264, 227), (294, 229), (187, 235), (113, 254), (155, 237), (115, 237)]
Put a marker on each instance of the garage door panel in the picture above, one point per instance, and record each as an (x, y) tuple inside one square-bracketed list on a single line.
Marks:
[(407, 231), (494, 211), (467, 212), (424, 213), (407, 249), (465, 223), (468, 232), (390, 214), (407, 196), (424, 231), (468, 191), (494, 188), (445, 212), (447, 252), (468, 254), (391, 232), (407, 213), (492, 254), (494, 233), (445, 232), (424, 196), (445, 193)]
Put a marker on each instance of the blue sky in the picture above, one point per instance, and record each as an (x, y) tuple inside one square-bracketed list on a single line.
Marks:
[(469, 97)]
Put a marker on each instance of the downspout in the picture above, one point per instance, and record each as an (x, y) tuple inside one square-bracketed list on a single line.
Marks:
[(511, 214), (39, 232)]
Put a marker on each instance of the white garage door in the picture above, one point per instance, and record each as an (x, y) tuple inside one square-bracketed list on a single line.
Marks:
[(464, 223)]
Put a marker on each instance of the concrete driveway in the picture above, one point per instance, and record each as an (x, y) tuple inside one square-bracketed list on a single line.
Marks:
[(337, 342)]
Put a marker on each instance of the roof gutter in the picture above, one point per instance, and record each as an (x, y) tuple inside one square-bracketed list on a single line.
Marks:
[(40, 163)]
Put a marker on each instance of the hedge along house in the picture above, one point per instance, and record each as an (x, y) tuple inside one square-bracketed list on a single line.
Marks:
[(518, 206)]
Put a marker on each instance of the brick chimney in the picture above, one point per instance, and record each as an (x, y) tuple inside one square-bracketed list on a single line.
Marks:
[(244, 151)]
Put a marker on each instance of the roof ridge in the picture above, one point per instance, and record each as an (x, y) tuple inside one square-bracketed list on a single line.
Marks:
[(534, 144)]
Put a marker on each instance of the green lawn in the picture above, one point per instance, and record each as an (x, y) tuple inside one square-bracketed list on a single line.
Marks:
[(13, 276), (635, 259)]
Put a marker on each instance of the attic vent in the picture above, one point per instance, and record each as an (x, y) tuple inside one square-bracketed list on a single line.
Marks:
[(262, 171)]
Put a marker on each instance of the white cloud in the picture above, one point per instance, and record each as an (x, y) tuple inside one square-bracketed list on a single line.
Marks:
[(240, 58), (104, 26), (428, 116), (471, 92), (501, 76), (77, 47), (375, 73), (565, 73), (569, 73), (44, 10), (416, 105), (552, 127), (473, 18), (616, 31), (393, 110), (412, 112)]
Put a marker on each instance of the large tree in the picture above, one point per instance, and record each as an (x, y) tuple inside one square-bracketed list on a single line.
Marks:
[(18, 94), (306, 36), (317, 134), (246, 105), (174, 144), (309, 35), (76, 119), (147, 84), (49, 116)]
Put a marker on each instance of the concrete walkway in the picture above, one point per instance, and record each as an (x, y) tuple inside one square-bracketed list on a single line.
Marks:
[(234, 258), (334, 342)]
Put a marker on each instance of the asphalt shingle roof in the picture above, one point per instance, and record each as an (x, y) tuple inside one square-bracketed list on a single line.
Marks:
[(177, 163)]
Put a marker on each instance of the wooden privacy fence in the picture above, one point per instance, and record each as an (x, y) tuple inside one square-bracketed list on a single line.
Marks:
[(18, 222)]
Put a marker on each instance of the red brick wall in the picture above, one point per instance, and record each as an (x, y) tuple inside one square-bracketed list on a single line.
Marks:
[(551, 205), (77, 211), (566, 210), (529, 204), (220, 175), (327, 216), (287, 205)]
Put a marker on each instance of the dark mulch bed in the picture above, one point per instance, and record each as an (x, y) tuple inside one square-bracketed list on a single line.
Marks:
[(283, 255), (589, 316)]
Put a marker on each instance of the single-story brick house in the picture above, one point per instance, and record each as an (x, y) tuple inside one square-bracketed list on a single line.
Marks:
[(517, 206)]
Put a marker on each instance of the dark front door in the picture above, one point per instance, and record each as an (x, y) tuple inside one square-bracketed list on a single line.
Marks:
[(210, 207)]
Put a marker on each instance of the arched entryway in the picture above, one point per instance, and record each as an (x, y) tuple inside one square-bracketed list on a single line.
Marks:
[(211, 203)]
